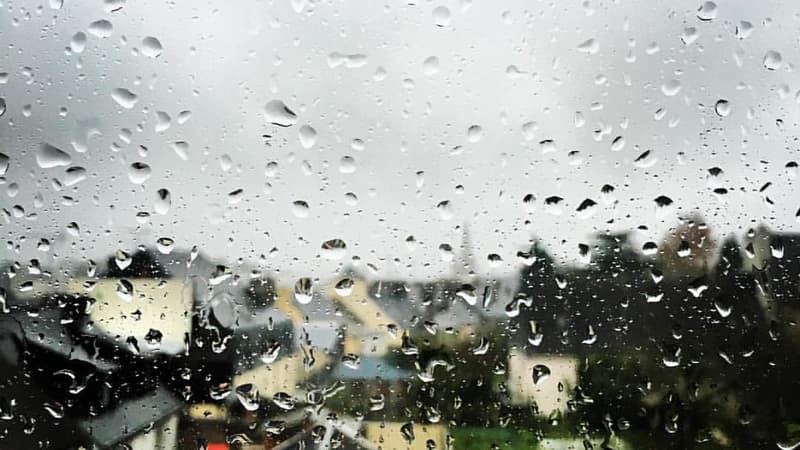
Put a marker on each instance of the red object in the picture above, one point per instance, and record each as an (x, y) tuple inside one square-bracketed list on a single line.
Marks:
[(218, 446)]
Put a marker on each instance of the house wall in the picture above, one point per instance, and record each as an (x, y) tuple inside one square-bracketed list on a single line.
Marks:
[(563, 369), (388, 436), (166, 308)]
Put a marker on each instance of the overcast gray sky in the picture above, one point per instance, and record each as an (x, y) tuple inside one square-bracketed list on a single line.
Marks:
[(392, 90)]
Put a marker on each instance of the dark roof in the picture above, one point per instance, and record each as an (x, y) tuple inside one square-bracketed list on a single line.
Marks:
[(129, 418)]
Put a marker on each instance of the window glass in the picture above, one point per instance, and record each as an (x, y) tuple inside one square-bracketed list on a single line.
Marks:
[(424, 224)]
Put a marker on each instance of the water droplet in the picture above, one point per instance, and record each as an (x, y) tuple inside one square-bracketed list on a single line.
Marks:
[(333, 249), (271, 352), (122, 259), (49, 156), (468, 294), (407, 431), (124, 98), (73, 229), (474, 133), (788, 445), (248, 396), (138, 172), (445, 209), (300, 209), (744, 29), (55, 409), (540, 373), (101, 28), (663, 204), (689, 35), (78, 42), (235, 196), (351, 361), (303, 291), (283, 400), (125, 290), (151, 47), (277, 113), (441, 16), (181, 148), (707, 11), (153, 338), (377, 402), (184, 117), (74, 175), (163, 201), (430, 66), (722, 108), (112, 6), (482, 348), (407, 346), (773, 60), (347, 164), (275, 427), (671, 88), (2, 106), (344, 287), (308, 136), (723, 307), (162, 122), (165, 245), (590, 46), (671, 357)]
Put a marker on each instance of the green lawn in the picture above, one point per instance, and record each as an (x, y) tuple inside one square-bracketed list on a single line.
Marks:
[(503, 438)]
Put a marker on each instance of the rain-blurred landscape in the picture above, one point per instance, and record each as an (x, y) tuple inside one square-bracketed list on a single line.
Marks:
[(386, 225)]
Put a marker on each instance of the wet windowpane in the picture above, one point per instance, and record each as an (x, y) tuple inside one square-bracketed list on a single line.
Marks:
[(420, 224)]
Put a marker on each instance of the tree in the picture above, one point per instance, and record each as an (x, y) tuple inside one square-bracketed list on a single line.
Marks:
[(688, 249)]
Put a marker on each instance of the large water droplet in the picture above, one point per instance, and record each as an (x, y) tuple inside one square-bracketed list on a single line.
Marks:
[(162, 121), (124, 98), (49, 156), (744, 29), (78, 42), (347, 164), (344, 287), (151, 47), (277, 113), (308, 136), (441, 16), (474, 133), (101, 28), (671, 88), (407, 430), (707, 11), (248, 396), (773, 60), (430, 66), (283, 400), (540, 373), (74, 175), (300, 209), (333, 249), (138, 172), (125, 290), (303, 291), (271, 351), (165, 245), (163, 201)]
